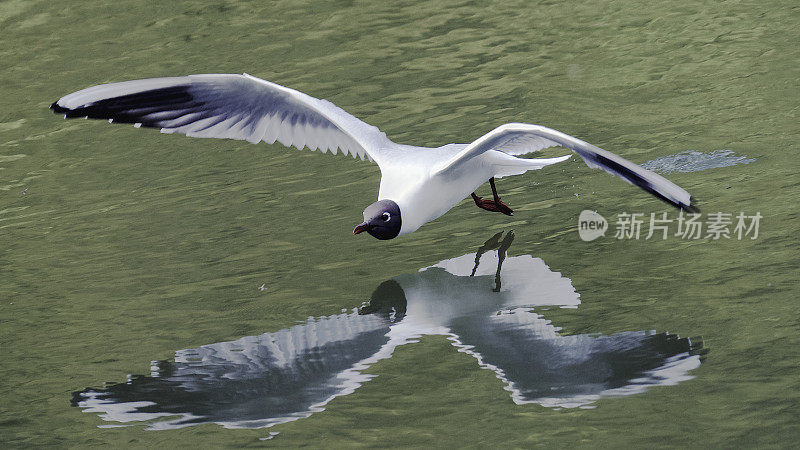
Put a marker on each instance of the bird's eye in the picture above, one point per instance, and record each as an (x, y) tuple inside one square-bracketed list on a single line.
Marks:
[(386, 216)]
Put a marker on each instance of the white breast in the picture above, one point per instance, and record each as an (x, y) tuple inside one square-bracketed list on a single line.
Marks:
[(422, 197)]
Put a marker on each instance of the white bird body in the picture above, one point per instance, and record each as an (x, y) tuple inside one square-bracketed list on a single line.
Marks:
[(422, 182), (409, 181)]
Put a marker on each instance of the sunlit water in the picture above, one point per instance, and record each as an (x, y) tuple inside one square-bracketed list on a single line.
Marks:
[(120, 246)]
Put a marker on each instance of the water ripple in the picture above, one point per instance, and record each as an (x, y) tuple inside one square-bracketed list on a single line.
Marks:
[(482, 302), (694, 161)]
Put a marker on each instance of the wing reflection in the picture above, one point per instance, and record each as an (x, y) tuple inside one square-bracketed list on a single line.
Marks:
[(259, 381), (255, 381)]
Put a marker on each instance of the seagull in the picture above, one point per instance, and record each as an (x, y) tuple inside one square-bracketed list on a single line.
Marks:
[(418, 184)]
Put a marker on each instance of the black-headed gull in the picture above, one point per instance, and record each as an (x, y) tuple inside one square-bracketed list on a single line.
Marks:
[(418, 184)]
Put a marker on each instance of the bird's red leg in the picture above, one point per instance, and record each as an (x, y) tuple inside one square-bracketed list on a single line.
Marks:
[(501, 207), (495, 205)]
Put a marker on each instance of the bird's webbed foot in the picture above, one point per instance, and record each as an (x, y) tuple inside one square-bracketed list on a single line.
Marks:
[(494, 205)]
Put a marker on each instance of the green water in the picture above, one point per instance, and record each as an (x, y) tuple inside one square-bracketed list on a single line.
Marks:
[(121, 246)]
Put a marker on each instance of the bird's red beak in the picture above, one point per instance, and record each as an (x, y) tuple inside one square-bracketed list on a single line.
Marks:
[(362, 228)]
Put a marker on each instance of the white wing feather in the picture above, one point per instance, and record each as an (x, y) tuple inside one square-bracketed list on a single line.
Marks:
[(228, 106), (521, 138)]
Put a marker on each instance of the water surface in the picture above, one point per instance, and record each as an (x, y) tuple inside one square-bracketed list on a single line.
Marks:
[(122, 246), (482, 303)]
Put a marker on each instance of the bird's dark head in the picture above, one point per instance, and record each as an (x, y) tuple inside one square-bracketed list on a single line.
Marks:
[(381, 220)]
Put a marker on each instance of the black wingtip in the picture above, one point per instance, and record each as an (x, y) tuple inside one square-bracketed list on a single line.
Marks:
[(614, 167), (691, 207), (170, 102), (58, 109)]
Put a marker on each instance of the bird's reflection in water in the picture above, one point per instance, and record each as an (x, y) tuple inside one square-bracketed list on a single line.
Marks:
[(258, 381)]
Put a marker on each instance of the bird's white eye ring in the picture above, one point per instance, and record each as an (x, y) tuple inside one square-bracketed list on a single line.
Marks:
[(386, 216)]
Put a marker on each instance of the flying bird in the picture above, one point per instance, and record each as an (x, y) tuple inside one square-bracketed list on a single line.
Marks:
[(418, 184)]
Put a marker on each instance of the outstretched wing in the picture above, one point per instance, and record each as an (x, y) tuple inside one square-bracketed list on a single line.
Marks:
[(229, 106), (540, 366), (521, 138), (251, 382)]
